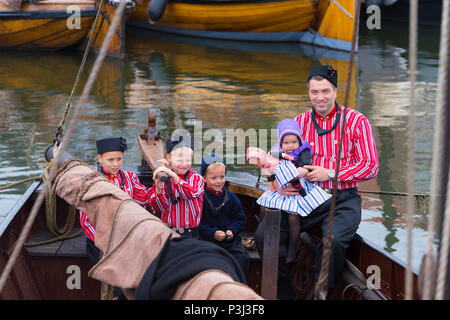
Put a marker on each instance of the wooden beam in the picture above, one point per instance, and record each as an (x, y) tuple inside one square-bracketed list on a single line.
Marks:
[(270, 254)]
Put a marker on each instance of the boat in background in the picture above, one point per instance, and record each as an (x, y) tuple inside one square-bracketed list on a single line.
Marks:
[(58, 24), (322, 23)]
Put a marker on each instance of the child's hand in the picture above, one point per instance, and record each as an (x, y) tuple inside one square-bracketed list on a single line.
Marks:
[(219, 235), (167, 171), (162, 162), (158, 185), (229, 234)]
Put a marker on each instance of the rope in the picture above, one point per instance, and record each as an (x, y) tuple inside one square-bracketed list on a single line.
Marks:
[(411, 149), (20, 182), (52, 169), (321, 288), (50, 213), (445, 246), (438, 151), (441, 109), (60, 130)]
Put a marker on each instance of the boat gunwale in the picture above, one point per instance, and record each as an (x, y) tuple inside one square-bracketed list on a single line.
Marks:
[(44, 14), (18, 206)]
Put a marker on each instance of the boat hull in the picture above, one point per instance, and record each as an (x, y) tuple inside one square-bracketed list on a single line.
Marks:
[(44, 26), (265, 21)]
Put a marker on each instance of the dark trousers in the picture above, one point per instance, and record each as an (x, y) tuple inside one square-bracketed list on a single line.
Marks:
[(345, 223), (236, 249)]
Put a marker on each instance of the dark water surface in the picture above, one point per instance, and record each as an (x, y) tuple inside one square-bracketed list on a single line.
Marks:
[(214, 88)]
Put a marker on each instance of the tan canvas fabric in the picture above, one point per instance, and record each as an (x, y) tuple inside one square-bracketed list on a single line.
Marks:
[(214, 285), (131, 238)]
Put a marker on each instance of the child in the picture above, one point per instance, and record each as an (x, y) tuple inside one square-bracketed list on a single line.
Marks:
[(223, 217), (295, 153), (110, 156), (180, 198)]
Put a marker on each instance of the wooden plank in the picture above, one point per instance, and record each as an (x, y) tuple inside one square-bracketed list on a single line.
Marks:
[(11, 289), (151, 146), (117, 45), (74, 247), (270, 254), (241, 189), (49, 249), (26, 284)]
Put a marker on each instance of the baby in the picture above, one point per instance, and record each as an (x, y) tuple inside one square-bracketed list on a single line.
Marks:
[(284, 163)]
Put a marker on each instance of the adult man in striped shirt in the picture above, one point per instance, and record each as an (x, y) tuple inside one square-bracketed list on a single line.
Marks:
[(321, 128)]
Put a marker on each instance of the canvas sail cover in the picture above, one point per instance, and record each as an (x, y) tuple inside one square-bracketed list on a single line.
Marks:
[(13, 4), (131, 238)]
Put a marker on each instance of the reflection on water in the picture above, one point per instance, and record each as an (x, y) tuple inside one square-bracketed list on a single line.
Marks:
[(225, 85)]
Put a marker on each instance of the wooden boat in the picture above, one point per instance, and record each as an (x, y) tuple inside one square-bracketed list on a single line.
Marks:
[(46, 271), (56, 24), (320, 22)]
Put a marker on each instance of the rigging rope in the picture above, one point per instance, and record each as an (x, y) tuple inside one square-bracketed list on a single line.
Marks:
[(411, 149), (50, 198), (442, 96), (321, 289), (53, 167), (438, 151), (60, 130)]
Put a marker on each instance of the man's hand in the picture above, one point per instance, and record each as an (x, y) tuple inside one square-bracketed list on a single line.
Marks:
[(316, 173)]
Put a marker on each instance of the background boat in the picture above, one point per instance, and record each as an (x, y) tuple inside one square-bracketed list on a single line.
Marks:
[(321, 22), (54, 24)]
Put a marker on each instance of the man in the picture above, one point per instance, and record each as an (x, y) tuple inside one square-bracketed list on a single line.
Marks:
[(321, 128)]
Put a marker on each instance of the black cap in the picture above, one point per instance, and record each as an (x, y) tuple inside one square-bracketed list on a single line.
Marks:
[(326, 71), (181, 141), (207, 160), (111, 144)]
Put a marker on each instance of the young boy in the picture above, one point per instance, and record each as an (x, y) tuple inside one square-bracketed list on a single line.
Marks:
[(110, 157), (180, 198), (223, 217)]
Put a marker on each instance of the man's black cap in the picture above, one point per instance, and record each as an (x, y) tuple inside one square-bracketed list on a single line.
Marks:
[(326, 71)]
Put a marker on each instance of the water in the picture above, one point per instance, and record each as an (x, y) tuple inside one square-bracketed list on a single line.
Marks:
[(202, 85)]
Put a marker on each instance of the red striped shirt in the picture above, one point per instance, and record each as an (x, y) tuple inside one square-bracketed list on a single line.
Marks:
[(131, 185), (359, 159), (187, 212)]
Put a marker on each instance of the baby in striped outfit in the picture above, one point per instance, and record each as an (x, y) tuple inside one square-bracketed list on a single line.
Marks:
[(293, 153)]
